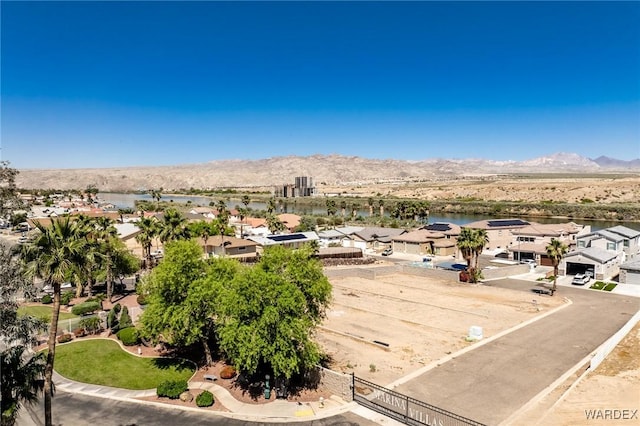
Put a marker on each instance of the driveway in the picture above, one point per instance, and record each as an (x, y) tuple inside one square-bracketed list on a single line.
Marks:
[(490, 383)]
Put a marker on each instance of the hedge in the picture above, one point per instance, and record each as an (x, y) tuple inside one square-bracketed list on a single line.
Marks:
[(66, 297), (85, 308), (128, 336), (172, 388), (125, 319), (46, 299), (205, 399)]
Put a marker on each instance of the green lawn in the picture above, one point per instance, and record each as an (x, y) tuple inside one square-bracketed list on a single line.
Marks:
[(43, 311), (609, 287), (103, 362)]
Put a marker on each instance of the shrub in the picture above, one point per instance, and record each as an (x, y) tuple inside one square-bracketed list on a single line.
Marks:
[(85, 308), (128, 336), (116, 308), (172, 388), (66, 297), (65, 338), (125, 319), (91, 325), (112, 320), (46, 299), (227, 372), (205, 399), (141, 299), (78, 332)]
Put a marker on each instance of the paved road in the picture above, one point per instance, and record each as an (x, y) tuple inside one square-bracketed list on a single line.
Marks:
[(492, 382), (81, 410)]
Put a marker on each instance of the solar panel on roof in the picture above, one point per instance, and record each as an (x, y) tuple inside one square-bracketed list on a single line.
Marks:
[(438, 227), (507, 222), (287, 237)]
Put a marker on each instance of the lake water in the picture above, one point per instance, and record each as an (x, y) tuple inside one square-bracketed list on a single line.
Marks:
[(121, 200)]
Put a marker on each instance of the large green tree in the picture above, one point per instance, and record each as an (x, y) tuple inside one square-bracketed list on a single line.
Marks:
[(53, 257), (182, 296), (268, 313), (21, 371), (556, 250), (173, 226)]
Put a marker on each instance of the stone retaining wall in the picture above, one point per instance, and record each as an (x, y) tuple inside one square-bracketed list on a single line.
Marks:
[(336, 383)]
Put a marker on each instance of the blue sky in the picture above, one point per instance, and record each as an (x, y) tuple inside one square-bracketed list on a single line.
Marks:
[(107, 84)]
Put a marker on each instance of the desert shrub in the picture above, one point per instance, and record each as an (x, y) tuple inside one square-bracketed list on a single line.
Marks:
[(46, 299), (65, 338), (128, 336), (65, 298), (78, 332), (116, 308), (91, 325), (227, 372), (172, 388), (125, 319), (205, 399), (85, 308)]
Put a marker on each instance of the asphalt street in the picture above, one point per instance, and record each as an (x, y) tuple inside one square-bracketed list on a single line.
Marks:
[(493, 381), (81, 410)]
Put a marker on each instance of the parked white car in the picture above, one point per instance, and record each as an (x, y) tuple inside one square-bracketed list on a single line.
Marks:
[(580, 279)]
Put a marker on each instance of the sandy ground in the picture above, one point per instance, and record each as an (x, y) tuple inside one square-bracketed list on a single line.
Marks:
[(416, 321)]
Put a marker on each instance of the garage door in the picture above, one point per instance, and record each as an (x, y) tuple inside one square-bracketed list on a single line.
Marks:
[(633, 277), (580, 268)]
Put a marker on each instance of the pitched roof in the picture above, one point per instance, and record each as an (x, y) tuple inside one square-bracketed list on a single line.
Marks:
[(419, 236), (548, 229), (624, 231), (255, 222), (497, 224), (444, 227), (289, 220), (633, 265), (594, 253), (230, 242), (371, 233)]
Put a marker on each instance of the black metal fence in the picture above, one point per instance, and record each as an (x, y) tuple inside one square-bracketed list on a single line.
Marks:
[(403, 408)]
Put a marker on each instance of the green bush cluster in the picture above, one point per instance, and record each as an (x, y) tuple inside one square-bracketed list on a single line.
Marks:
[(125, 319), (90, 325), (46, 299), (85, 308), (66, 297), (205, 399), (172, 388), (141, 299), (128, 336)]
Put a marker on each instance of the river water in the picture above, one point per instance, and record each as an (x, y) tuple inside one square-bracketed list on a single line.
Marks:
[(121, 200)]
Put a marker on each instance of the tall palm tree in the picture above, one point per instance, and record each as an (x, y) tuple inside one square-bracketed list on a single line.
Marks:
[(52, 257), (381, 205), (246, 201), (106, 234), (556, 250), (466, 244), (370, 203), (21, 381), (343, 207), (148, 231), (331, 207), (481, 240)]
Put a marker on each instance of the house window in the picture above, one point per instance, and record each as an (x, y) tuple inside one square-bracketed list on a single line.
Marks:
[(626, 243), (581, 243), (241, 248), (611, 246)]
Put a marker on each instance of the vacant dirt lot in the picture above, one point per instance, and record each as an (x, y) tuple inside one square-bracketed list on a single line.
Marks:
[(415, 321)]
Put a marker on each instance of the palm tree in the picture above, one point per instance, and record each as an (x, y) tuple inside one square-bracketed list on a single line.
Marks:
[(148, 231), (331, 207), (381, 205), (370, 203), (173, 226), (556, 250), (106, 234), (481, 240), (21, 381), (466, 244), (52, 257), (274, 224), (246, 201), (156, 194), (343, 207), (271, 205)]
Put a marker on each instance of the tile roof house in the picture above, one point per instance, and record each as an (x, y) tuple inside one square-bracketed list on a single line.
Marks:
[(530, 242), (233, 247), (499, 231), (372, 238)]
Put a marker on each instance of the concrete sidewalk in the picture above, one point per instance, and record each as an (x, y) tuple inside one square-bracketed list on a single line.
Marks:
[(275, 411)]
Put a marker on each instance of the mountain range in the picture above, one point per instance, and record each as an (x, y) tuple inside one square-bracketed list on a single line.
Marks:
[(333, 170)]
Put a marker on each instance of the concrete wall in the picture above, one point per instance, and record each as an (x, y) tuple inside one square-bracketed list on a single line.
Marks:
[(336, 383), (610, 344), (505, 271)]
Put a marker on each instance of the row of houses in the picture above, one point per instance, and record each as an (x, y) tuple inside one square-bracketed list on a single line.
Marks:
[(604, 254)]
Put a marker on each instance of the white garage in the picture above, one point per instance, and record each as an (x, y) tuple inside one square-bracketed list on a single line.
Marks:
[(630, 272)]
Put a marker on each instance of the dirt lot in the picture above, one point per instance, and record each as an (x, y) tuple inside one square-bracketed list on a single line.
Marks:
[(416, 320)]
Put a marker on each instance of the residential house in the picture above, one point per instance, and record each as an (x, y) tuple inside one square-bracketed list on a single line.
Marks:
[(530, 242), (253, 226), (372, 238), (336, 236), (630, 272), (237, 248), (499, 231), (630, 242), (291, 221), (295, 240)]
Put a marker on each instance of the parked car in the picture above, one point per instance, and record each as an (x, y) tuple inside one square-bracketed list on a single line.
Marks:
[(580, 279), (64, 286), (387, 252), (532, 263), (158, 254)]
